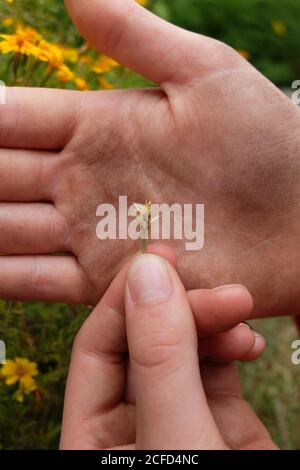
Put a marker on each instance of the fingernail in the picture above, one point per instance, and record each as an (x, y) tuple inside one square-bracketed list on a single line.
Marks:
[(257, 335), (245, 325), (260, 341), (149, 280), (230, 287)]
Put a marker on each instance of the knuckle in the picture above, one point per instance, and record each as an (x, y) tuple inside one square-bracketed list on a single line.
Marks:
[(156, 349), (58, 232), (214, 56), (37, 278), (225, 51), (9, 117)]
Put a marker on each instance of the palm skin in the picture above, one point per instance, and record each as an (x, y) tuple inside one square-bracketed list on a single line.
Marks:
[(215, 132)]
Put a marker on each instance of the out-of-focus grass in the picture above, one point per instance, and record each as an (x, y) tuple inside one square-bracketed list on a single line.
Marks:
[(272, 384)]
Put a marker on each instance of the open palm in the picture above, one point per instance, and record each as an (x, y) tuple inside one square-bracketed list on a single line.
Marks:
[(215, 132)]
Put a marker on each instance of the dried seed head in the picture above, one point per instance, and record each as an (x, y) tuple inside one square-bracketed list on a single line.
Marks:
[(143, 215)]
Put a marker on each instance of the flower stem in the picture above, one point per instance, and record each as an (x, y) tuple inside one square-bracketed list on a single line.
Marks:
[(47, 77)]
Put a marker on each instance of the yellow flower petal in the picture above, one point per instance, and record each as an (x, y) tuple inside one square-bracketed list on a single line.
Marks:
[(20, 43), (279, 27), (28, 383), (20, 370), (64, 74), (81, 83), (26, 366), (11, 380), (70, 54), (20, 396), (244, 54), (22, 361), (105, 84), (85, 59), (8, 21), (105, 64), (9, 368)]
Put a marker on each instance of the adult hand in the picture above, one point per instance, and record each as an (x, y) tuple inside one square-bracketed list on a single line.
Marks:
[(134, 380), (214, 132)]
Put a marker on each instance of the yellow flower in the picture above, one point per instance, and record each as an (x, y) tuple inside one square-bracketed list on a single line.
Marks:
[(105, 84), (22, 42), (26, 386), (85, 59), (8, 21), (105, 64), (54, 55), (27, 33), (9, 1), (21, 371), (64, 74), (81, 83), (244, 54), (50, 53), (143, 2), (70, 54), (279, 27)]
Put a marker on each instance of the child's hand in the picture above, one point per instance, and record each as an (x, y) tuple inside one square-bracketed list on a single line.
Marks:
[(134, 379)]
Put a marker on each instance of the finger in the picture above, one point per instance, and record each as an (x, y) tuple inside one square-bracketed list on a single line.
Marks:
[(227, 306), (224, 307), (126, 447), (239, 343), (115, 296), (96, 380), (45, 278), (31, 229), (26, 175), (237, 421), (257, 349), (164, 251), (162, 342), (36, 118), (116, 27)]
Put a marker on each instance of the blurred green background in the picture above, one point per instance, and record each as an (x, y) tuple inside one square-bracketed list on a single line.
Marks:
[(264, 32), (267, 31)]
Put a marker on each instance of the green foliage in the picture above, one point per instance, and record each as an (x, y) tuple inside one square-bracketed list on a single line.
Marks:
[(272, 383), (44, 334), (50, 20), (48, 16), (246, 25)]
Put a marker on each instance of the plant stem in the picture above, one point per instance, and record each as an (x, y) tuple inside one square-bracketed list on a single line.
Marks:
[(47, 77)]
